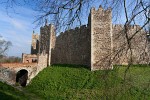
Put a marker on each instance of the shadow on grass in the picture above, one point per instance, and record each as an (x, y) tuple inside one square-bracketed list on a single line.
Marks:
[(4, 96), (133, 65), (71, 66)]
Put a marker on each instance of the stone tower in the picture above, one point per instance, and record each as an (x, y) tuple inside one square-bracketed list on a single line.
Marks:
[(35, 43), (101, 33), (47, 40)]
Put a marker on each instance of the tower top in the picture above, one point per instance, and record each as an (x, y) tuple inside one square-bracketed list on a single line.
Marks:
[(100, 6), (33, 32), (46, 21)]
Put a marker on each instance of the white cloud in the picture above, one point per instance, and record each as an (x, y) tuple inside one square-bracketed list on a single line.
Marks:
[(17, 29), (17, 24), (29, 42)]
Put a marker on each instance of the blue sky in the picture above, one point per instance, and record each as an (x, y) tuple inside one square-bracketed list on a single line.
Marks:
[(17, 27)]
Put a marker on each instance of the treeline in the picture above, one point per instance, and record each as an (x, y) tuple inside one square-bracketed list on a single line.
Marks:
[(12, 59)]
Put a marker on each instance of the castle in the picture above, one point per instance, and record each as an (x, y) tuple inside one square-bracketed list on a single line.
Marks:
[(99, 45)]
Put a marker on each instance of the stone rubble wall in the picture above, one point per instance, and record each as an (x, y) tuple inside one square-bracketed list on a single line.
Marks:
[(8, 72), (98, 45), (73, 47), (119, 45), (32, 71), (139, 45), (45, 39), (42, 62), (101, 31), (35, 44), (28, 58), (7, 76)]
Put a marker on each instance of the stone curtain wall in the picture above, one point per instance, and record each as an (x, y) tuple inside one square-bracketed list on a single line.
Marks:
[(73, 47), (7, 75), (139, 46), (119, 45), (101, 30), (42, 62), (96, 45)]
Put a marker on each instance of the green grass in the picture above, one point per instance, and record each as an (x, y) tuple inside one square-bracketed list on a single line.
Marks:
[(9, 93), (71, 82)]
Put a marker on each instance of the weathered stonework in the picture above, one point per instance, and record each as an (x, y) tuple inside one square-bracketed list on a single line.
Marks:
[(72, 47), (29, 58), (98, 45), (8, 72), (13, 73), (42, 62), (35, 43), (32, 58), (139, 45), (47, 40), (101, 30)]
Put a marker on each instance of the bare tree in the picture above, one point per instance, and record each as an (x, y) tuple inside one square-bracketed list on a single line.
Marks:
[(4, 45), (69, 13)]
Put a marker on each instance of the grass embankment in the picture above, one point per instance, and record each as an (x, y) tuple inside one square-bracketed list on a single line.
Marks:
[(9, 93), (76, 82)]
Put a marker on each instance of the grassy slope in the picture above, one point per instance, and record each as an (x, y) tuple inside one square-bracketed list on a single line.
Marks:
[(9, 93), (76, 82)]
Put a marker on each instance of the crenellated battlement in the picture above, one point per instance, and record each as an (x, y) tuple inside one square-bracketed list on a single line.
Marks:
[(98, 45), (46, 26), (121, 26), (90, 44), (101, 11), (134, 27), (118, 26), (71, 31)]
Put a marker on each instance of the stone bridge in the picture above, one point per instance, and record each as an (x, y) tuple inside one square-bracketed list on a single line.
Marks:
[(21, 73)]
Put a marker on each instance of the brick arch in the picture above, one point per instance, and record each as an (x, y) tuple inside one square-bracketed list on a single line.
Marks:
[(21, 77)]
